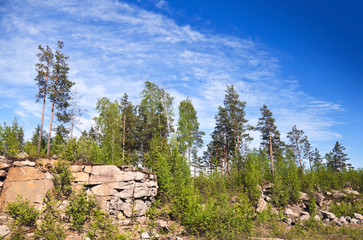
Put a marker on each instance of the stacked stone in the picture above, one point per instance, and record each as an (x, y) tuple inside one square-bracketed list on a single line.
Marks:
[(121, 191)]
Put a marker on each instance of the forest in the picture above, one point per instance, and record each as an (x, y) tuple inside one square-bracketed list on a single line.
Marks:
[(212, 193)]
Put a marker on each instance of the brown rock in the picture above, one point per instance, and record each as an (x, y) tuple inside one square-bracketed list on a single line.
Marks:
[(25, 174), (4, 165), (103, 190), (261, 205), (80, 177), (106, 173), (141, 207), (75, 168), (87, 169), (339, 195), (24, 163), (304, 196)]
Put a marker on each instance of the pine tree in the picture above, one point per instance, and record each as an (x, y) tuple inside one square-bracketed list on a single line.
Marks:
[(269, 134), (308, 152), (59, 89), (44, 74), (296, 138), (317, 159), (338, 158), (11, 139), (189, 135)]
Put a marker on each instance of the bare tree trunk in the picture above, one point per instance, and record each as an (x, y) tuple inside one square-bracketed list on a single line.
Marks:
[(41, 124), (41, 128), (123, 141), (298, 152), (50, 126), (271, 156)]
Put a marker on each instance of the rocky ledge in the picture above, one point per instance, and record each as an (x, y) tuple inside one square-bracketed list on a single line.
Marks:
[(123, 191)]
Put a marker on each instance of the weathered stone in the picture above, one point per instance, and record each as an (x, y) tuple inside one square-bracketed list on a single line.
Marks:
[(3, 173), (141, 207), (121, 185), (4, 165), (126, 193), (319, 197), (261, 205), (87, 169), (354, 221), (296, 209), (328, 193), (343, 220), (103, 190), (151, 184), (24, 163), (25, 174), (4, 230), (128, 168), (80, 177), (163, 225), (289, 221), (317, 218), (75, 168), (33, 190), (305, 217), (140, 176), (304, 196), (328, 215), (268, 199), (145, 235), (337, 195), (104, 174), (289, 212), (22, 155), (348, 191), (126, 209), (358, 216)]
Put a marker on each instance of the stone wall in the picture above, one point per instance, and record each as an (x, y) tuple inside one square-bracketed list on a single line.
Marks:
[(124, 191)]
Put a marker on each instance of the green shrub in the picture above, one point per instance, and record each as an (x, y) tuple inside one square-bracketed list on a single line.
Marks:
[(22, 213), (62, 179), (79, 210), (50, 227), (102, 228)]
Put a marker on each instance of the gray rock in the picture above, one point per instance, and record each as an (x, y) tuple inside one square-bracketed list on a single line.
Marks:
[(141, 207), (351, 192), (328, 215), (289, 221), (24, 163), (337, 195), (358, 216), (304, 196), (126, 209), (328, 193), (163, 225), (291, 213), (4, 165), (261, 205), (319, 197), (305, 217), (104, 190), (343, 220), (354, 221), (22, 155), (317, 218), (4, 230), (105, 174), (145, 235)]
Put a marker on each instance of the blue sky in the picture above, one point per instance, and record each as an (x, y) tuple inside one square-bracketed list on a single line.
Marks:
[(303, 59)]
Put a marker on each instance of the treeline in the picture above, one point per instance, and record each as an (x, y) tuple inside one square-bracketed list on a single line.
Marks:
[(227, 176)]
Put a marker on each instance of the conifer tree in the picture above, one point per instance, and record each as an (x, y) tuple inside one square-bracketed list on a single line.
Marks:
[(317, 159), (59, 89), (269, 134), (338, 159), (43, 68), (189, 135)]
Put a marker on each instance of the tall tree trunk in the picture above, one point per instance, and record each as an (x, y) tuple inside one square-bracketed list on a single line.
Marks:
[(123, 142), (50, 126), (298, 152), (271, 156), (41, 124), (72, 124), (189, 154), (41, 128)]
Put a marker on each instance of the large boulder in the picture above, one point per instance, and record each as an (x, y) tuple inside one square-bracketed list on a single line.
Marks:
[(319, 197), (261, 205), (29, 182)]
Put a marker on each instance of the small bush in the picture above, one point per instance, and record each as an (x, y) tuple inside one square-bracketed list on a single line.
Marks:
[(22, 213), (101, 227), (62, 179), (79, 210)]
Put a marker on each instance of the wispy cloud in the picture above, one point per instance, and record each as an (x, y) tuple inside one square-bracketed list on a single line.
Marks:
[(115, 47)]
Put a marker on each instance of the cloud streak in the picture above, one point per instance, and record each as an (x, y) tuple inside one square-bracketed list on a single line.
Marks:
[(115, 47)]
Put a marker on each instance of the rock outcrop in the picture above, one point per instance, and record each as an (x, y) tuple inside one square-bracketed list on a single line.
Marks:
[(124, 192)]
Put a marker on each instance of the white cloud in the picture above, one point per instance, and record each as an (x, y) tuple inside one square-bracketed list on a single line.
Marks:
[(115, 47)]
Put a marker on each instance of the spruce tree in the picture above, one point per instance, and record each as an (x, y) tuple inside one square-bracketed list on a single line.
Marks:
[(338, 158)]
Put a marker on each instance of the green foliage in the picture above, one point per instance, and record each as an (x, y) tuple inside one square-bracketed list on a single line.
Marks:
[(70, 151), (22, 213), (50, 227), (347, 208), (62, 179), (17, 232), (79, 210), (102, 228), (11, 139)]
